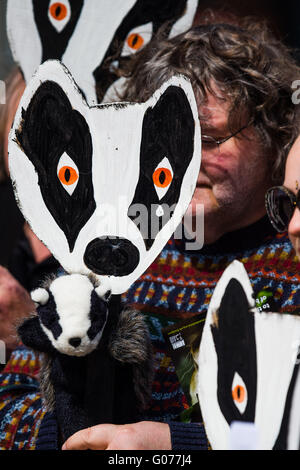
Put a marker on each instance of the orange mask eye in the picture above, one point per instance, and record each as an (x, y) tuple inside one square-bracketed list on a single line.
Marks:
[(162, 177), (58, 11), (67, 175), (135, 41), (238, 393)]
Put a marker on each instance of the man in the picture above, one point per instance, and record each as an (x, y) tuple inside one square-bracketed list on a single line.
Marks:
[(241, 78)]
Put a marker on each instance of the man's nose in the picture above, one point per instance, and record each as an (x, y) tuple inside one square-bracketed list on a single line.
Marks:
[(294, 225)]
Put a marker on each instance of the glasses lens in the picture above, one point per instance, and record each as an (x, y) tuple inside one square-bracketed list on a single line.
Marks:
[(209, 143), (280, 208), (208, 139)]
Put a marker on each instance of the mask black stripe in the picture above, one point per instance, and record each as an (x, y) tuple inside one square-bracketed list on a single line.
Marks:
[(234, 339), (49, 316), (54, 43), (49, 128), (282, 438), (168, 131)]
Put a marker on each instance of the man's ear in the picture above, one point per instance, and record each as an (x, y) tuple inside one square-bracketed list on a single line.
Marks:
[(33, 336)]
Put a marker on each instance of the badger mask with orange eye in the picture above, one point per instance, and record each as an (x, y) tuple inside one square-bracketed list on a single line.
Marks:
[(71, 315), (90, 37), (104, 187)]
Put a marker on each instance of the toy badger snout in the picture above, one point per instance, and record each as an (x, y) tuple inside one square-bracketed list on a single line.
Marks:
[(72, 314)]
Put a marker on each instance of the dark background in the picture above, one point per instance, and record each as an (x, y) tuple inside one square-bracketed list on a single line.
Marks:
[(10, 218)]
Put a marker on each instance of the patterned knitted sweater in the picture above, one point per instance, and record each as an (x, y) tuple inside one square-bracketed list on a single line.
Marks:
[(178, 285)]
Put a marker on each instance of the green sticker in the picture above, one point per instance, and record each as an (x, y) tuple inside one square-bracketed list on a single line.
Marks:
[(264, 301), (262, 297)]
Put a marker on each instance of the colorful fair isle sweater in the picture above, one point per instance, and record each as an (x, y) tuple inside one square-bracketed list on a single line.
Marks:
[(178, 285)]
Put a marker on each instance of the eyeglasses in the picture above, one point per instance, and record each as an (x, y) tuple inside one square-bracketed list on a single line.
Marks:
[(209, 140), (281, 204)]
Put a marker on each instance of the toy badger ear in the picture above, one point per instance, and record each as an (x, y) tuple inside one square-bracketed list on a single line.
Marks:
[(40, 296)]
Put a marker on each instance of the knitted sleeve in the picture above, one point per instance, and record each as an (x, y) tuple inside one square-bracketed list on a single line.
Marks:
[(188, 436), (21, 406)]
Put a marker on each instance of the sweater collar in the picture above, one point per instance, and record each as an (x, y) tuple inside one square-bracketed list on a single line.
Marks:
[(242, 239)]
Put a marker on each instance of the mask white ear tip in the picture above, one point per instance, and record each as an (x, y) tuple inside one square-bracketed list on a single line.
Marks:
[(40, 296), (104, 289)]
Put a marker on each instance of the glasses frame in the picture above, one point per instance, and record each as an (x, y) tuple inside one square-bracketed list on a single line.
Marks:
[(294, 200), (212, 141)]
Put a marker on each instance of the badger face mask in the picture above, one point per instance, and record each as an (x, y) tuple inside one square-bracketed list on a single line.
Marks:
[(90, 37), (104, 187)]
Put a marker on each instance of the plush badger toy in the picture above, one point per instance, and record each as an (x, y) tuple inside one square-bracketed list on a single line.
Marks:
[(79, 173), (81, 376)]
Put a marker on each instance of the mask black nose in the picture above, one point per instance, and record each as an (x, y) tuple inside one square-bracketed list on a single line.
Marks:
[(111, 256), (75, 342)]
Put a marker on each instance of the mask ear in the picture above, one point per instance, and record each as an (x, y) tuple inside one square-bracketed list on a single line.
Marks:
[(186, 20), (180, 87), (47, 120), (48, 124), (170, 116), (227, 361)]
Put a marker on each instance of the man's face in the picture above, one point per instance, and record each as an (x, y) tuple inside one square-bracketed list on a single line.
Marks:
[(234, 175)]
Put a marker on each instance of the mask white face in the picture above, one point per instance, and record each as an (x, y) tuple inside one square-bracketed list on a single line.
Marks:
[(104, 187), (82, 34)]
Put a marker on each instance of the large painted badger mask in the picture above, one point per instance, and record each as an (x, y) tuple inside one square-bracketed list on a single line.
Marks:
[(96, 183)]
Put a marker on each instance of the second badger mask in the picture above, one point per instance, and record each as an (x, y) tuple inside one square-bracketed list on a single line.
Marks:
[(96, 183), (93, 38)]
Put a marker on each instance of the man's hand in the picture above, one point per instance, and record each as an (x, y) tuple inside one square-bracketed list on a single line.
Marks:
[(15, 304), (145, 435)]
